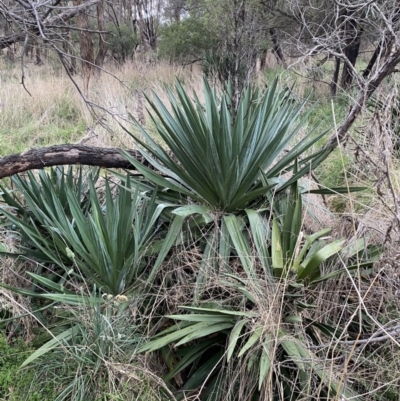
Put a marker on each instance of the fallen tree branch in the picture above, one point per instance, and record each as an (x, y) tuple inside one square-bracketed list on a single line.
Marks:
[(65, 154)]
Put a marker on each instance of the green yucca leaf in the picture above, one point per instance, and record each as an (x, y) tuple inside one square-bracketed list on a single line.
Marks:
[(331, 331), (178, 326), (251, 361), (199, 317), (311, 264), (49, 284), (219, 155), (220, 311), (172, 335), (256, 335), (66, 298), (309, 242), (291, 349), (333, 191), (104, 241), (265, 361), (293, 319), (292, 212), (190, 209), (260, 232), (202, 373), (241, 243), (305, 305), (191, 354), (234, 337), (53, 343), (248, 294), (276, 248), (167, 243), (206, 331), (339, 272)]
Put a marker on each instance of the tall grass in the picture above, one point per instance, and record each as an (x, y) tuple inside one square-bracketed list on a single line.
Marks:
[(53, 112)]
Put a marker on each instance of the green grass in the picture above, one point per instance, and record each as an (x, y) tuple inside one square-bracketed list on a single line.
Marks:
[(16, 384), (39, 121), (38, 136)]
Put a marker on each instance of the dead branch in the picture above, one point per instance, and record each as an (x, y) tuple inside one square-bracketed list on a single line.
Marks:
[(71, 12), (65, 154), (363, 96)]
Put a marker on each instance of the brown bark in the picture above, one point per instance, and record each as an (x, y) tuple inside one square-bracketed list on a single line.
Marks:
[(8, 40), (383, 46), (335, 77), (353, 33), (373, 59), (147, 33), (70, 60), (385, 70), (7, 31), (86, 47), (38, 60), (263, 59), (66, 155), (277, 47), (102, 42)]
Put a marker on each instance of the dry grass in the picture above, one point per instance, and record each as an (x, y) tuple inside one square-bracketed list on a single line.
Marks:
[(54, 112)]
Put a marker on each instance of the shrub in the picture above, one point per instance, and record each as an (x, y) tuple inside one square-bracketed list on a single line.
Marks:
[(185, 40)]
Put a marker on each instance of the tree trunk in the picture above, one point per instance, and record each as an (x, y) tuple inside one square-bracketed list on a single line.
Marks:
[(363, 96), (383, 46), (277, 47), (70, 60), (7, 31), (335, 77), (263, 59), (86, 47), (102, 42), (147, 33), (353, 34), (373, 59), (38, 57)]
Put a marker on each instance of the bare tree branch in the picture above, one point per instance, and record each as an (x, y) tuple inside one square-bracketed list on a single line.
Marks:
[(363, 95), (33, 29), (65, 155)]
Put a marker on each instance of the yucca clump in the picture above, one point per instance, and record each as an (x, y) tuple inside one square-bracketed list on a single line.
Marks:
[(235, 321)]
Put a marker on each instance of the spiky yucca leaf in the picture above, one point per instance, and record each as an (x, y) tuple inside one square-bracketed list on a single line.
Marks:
[(106, 245), (222, 157)]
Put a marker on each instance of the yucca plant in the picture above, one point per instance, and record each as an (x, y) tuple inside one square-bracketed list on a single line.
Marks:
[(246, 335), (32, 198), (223, 159), (30, 193), (239, 170), (105, 247)]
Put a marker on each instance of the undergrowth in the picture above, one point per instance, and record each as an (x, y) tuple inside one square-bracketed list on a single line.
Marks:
[(227, 291)]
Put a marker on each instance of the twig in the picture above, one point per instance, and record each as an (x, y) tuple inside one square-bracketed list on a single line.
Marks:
[(22, 65)]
